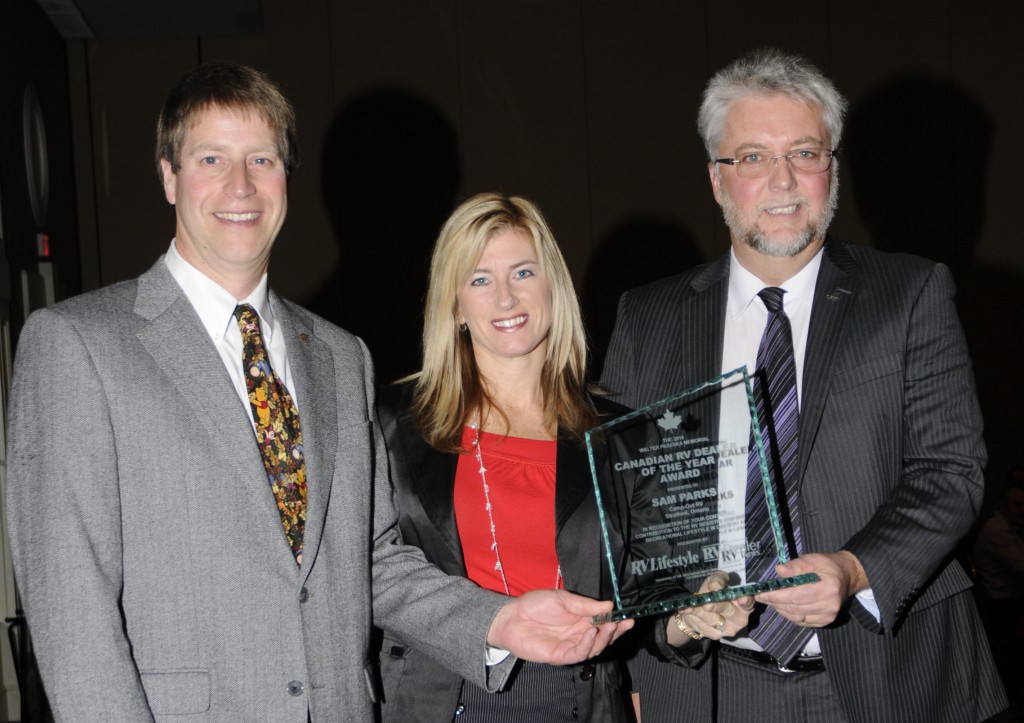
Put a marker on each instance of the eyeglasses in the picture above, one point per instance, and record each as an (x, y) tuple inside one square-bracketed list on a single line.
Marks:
[(804, 160)]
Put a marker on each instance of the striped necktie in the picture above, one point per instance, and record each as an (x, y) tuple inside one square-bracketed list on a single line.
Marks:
[(778, 413)]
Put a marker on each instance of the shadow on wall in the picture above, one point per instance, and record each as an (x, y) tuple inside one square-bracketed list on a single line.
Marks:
[(637, 251), (918, 149), (390, 172)]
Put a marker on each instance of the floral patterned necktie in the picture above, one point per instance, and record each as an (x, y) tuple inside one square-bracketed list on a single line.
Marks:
[(277, 429)]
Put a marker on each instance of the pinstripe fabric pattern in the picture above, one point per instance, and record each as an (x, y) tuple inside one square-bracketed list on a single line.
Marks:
[(890, 468), (539, 694), (771, 696), (778, 413)]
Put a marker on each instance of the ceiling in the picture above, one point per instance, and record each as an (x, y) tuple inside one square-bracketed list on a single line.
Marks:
[(153, 18)]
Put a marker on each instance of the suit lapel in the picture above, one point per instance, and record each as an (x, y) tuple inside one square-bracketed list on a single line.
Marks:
[(434, 485), (429, 475), (702, 347), (313, 375), (573, 480), (175, 338), (834, 293), (578, 546)]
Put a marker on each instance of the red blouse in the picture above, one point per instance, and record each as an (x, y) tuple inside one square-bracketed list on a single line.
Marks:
[(521, 481)]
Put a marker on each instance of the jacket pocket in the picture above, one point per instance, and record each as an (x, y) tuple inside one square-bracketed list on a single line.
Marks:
[(392, 665), (372, 683), (177, 692)]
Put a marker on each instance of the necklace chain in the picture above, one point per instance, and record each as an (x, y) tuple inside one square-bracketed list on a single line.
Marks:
[(477, 447)]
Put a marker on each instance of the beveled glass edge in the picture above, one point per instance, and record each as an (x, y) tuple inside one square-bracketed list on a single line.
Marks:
[(781, 548), (664, 607), (643, 410), (678, 395)]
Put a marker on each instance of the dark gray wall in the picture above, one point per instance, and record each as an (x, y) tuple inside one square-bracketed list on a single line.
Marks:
[(586, 106)]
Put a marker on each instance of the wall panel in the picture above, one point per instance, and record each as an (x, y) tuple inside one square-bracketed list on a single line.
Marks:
[(392, 167), (588, 107), (295, 51), (524, 110), (128, 81)]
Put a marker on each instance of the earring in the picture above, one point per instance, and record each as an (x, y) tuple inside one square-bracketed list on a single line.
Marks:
[(463, 326)]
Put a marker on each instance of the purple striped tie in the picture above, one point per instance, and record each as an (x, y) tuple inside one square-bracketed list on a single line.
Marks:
[(778, 414)]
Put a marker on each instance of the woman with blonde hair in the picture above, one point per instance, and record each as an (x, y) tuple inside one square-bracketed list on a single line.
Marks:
[(487, 459)]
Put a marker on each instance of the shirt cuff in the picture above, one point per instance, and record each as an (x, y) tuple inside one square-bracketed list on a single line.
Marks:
[(494, 656), (867, 599)]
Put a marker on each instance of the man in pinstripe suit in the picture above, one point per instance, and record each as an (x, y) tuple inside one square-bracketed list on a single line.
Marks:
[(890, 454)]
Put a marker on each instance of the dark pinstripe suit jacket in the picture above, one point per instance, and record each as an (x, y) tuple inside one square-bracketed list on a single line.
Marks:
[(890, 469)]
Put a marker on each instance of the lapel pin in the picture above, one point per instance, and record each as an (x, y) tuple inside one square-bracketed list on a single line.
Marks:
[(836, 294), (304, 337)]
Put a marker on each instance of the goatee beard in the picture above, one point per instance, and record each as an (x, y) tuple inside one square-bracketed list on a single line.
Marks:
[(754, 237), (756, 240)]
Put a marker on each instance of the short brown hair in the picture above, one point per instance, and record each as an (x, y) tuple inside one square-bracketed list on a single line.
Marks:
[(230, 86)]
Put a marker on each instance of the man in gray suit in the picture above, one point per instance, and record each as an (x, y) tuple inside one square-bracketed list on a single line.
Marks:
[(886, 466), (162, 576)]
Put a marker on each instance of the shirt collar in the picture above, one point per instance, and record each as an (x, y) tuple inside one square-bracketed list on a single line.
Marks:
[(214, 304), (744, 286)]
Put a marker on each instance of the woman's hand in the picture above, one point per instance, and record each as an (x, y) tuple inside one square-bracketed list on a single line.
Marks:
[(713, 620)]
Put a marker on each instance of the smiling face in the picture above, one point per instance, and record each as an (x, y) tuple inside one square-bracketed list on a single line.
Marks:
[(783, 214), (506, 302), (229, 196)]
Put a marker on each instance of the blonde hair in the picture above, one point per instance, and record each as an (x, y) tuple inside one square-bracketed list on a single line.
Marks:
[(449, 387)]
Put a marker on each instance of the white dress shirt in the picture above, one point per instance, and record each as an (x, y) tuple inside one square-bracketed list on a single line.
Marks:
[(745, 320), (216, 309)]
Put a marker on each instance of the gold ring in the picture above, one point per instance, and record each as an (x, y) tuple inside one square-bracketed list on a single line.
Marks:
[(720, 625), (692, 634)]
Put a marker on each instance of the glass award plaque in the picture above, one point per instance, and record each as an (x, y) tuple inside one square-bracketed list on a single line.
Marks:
[(670, 481)]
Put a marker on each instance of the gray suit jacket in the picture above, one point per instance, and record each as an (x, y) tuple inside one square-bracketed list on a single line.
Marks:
[(148, 549), (890, 468)]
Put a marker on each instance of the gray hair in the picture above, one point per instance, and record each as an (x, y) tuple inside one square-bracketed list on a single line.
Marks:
[(767, 72)]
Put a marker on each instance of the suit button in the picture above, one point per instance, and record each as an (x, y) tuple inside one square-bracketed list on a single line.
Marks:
[(587, 672), (295, 687), (303, 595), (460, 710)]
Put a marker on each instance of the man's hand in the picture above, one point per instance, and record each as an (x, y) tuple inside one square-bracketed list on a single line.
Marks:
[(816, 604), (553, 626)]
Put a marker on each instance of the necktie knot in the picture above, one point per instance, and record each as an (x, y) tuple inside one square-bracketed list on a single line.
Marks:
[(248, 318), (772, 298)]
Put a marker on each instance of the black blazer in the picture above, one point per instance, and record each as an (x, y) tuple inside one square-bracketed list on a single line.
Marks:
[(890, 468), (417, 688)]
